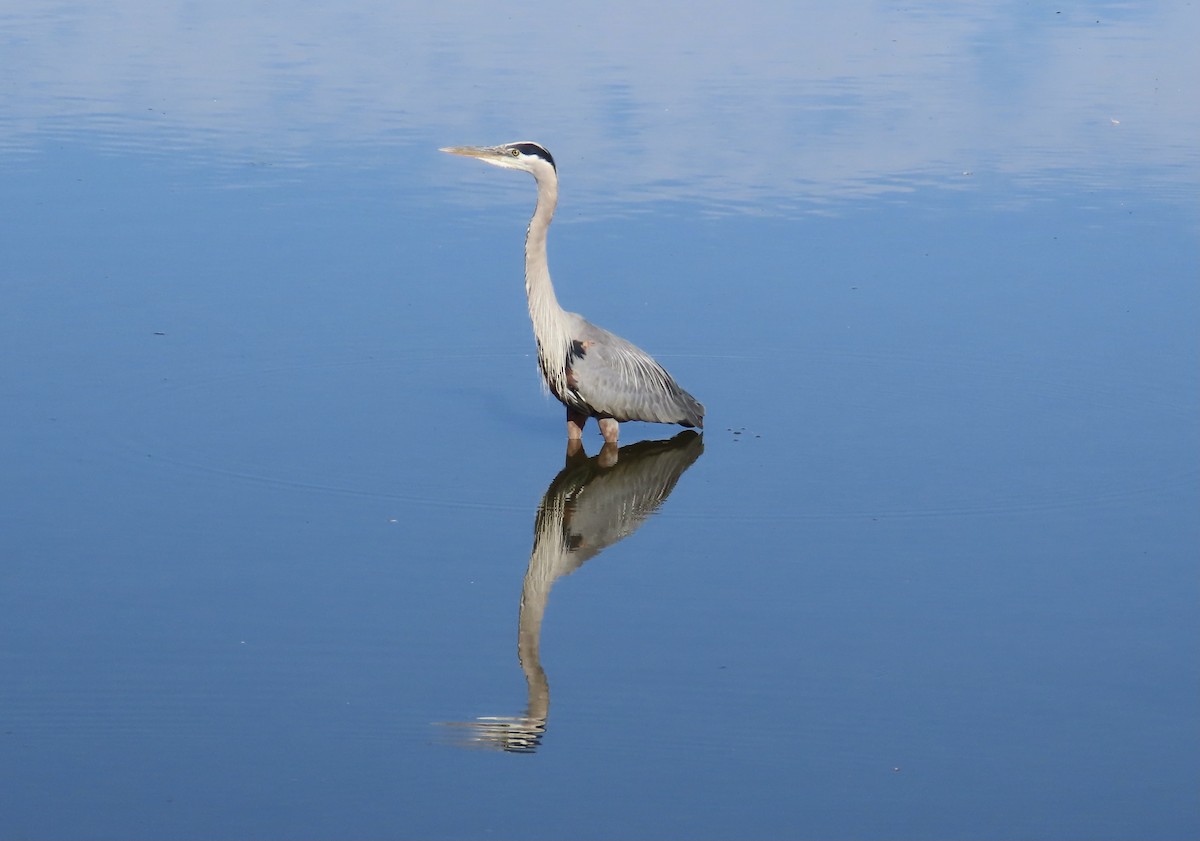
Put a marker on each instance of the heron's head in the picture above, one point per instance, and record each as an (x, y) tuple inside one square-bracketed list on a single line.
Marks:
[(524, 155)]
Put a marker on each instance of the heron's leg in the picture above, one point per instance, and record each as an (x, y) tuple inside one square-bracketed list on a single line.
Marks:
[(609, 428), (575, 422)]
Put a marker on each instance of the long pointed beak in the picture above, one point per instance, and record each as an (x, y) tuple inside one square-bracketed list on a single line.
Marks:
[(470, 151)]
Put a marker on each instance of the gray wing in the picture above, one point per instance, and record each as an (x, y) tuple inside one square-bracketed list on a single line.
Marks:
[(615, 378)]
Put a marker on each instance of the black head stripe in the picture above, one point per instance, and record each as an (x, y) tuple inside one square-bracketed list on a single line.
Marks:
[(536, 151)]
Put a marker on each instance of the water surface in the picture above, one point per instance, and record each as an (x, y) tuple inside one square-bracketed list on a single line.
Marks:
[(287, 522)]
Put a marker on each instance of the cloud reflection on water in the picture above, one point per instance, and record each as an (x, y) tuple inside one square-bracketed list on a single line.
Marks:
[(770, 107)]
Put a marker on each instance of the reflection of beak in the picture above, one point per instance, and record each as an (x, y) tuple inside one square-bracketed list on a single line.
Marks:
[(470, 151)]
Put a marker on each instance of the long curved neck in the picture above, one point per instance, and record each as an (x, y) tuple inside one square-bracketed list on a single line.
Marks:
[(549, 324)]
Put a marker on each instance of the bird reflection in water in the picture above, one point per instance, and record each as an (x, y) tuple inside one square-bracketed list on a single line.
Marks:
[(591, 504)]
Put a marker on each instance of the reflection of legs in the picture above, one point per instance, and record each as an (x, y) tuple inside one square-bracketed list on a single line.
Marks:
[(609, 428), (575, 422), (608, 455)]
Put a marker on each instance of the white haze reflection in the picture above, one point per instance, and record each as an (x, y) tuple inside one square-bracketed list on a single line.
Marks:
[(768, 106)]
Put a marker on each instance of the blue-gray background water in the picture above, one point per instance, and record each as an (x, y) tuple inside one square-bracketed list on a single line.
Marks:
[(287, 523)]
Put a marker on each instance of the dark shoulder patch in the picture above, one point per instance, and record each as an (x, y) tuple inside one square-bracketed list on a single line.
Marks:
[(534, 150)]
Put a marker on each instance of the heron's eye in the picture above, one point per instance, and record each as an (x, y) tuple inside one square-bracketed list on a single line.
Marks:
[(516, 153)]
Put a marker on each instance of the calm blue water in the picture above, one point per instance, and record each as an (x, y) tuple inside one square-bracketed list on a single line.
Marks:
[(289, 546)]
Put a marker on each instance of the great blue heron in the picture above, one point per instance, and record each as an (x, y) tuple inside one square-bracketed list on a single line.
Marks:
[(593, 372)]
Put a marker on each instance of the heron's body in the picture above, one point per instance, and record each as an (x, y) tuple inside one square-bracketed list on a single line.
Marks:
[(592, 371)]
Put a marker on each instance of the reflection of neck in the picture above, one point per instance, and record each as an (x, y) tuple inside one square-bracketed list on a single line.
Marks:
[(529, 634)]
